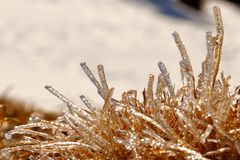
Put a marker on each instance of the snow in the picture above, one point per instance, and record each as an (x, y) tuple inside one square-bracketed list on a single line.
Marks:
[(42, 42)]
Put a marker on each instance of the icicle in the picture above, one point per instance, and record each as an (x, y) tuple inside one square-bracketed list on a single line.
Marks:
[(218, 151), (218, 40), (185, 65), (103, 80), (218, 20), (97, 138), (189, 124), (182, 49), (160, 85), (187, 79), (209, 59), (69, 103), (166, 78), (30, 132), (87, 103), (150, 88), (148, 119), (206, 133), (93, 79), (73, 108)]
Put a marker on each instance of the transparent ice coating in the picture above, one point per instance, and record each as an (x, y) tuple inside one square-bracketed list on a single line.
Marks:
[(199, 121)]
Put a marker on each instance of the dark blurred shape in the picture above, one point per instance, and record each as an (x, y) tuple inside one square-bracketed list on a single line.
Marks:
[(169, 8), (235, 2), (196, 4)]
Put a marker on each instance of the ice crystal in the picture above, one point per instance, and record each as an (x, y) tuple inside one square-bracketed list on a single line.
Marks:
[(198, 121)]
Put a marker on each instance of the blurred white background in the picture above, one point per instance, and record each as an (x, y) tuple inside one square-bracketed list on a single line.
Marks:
[(42, 42)]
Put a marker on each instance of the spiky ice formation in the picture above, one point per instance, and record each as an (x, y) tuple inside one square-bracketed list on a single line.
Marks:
[(199, 121)]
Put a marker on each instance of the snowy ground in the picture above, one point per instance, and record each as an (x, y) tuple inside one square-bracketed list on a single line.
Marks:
[(43, 42)]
